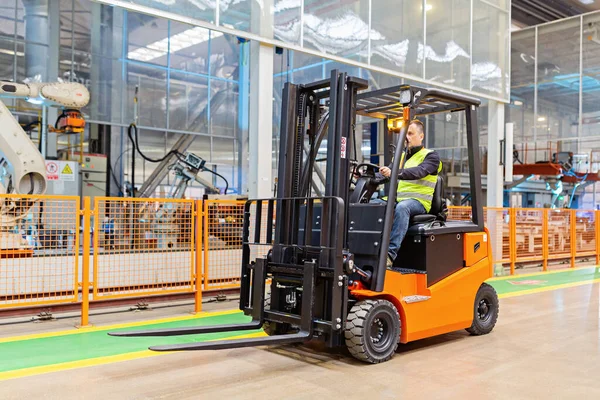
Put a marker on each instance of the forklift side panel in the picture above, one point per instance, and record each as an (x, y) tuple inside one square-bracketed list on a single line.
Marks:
[(437, 255)]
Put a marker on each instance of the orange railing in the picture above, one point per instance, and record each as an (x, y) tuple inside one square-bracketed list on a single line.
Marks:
[(39, 250), (539, 236), (136, 248)]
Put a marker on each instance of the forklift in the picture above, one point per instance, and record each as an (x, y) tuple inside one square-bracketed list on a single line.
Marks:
[(326, 260)]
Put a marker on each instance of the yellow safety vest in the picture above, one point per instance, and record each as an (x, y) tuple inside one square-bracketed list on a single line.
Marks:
[(420, 189)]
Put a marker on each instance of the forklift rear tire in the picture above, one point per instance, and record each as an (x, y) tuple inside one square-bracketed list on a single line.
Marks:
[(373, 330), (485, 313)]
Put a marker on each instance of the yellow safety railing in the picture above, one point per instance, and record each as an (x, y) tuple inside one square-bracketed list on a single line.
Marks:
[(53, 251), (222, 243), (39, 250), (142, 247)]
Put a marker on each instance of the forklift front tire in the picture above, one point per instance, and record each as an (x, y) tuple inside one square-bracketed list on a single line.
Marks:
[(486, 309), (372, 330)]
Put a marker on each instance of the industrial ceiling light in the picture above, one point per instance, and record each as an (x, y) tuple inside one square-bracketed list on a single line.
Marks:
[(586, 1)]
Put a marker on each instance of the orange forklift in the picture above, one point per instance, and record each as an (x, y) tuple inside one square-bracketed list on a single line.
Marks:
[(325, 253)]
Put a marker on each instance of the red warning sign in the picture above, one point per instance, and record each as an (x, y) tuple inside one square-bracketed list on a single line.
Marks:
[(51, 170)]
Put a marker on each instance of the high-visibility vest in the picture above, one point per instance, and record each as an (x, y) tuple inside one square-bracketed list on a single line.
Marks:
[(420, 189)]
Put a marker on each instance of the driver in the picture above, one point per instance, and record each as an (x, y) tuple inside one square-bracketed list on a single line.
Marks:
[(416, 184)]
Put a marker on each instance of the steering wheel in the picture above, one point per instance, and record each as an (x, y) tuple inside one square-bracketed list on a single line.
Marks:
[(370, 169)]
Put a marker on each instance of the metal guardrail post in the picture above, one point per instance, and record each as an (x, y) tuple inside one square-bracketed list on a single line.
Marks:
[(597, 235), (85, 286), (198, 215), (573, 226), (545, 239), (512, 235), (205, 222)]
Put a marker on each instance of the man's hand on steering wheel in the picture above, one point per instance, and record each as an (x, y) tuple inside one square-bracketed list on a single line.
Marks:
[(385, 171)]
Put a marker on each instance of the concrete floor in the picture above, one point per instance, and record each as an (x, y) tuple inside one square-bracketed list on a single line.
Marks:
[(545, 345)]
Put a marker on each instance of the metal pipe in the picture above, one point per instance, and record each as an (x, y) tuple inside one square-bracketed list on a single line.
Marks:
[(36, 36)]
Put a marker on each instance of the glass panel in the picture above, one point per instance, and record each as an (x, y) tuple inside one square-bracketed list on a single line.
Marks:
[(200, 146), (152, 95), (203, 10), (224, 56), (20, 20), (503, 4), (490, 50), (148, 38), (189, 48), (236, 14), (224, 108), (152, 145), (7, 60), (397, 36), (558, 80), (447, 52), (107, 92), (188, 99), (7, 18), (36, 65), (446, 130), (75, 25), (520, 110), (286, 20), (340, 29), (223, 153), (591, 75)]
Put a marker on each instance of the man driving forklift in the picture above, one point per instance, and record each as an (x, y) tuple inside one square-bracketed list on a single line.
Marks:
[(416, 184)]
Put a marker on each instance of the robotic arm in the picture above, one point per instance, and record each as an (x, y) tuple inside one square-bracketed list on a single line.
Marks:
[(22, 167)]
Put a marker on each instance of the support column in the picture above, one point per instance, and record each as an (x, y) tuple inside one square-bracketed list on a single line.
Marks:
[(243, 114), (116, 90), (42, 33), (261, 104), (495, 179)]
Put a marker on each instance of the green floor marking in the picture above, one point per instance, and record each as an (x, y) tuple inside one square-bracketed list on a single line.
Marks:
[(60, 349), (520, 284)]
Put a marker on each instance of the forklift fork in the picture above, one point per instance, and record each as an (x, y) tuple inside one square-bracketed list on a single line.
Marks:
[(305, 333)]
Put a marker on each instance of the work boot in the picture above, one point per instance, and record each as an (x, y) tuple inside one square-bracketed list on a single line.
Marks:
[(389, 263)]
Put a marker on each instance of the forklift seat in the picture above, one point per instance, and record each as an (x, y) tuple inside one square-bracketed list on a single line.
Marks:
[(436, 213)]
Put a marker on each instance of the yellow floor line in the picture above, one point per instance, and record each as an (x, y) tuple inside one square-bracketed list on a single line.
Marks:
[(117, 326), (548, 288), (21, 373), (557, 271)]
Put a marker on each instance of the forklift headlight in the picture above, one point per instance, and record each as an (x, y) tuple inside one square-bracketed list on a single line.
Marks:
[(405, 97)]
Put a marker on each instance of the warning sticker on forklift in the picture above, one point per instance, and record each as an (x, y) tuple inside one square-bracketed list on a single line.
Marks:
[(343, 147)]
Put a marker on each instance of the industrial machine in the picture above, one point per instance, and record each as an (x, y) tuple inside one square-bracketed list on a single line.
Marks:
[(22, 167), (326, 258), (93, 175)]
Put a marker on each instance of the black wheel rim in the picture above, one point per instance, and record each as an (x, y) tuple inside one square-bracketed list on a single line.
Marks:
[(485, 309), (380, 332)]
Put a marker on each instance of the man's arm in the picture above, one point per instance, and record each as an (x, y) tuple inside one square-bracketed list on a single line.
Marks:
[(429, 166)]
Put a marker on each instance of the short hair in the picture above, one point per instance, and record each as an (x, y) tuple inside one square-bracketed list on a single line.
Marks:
[(419, 124)]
